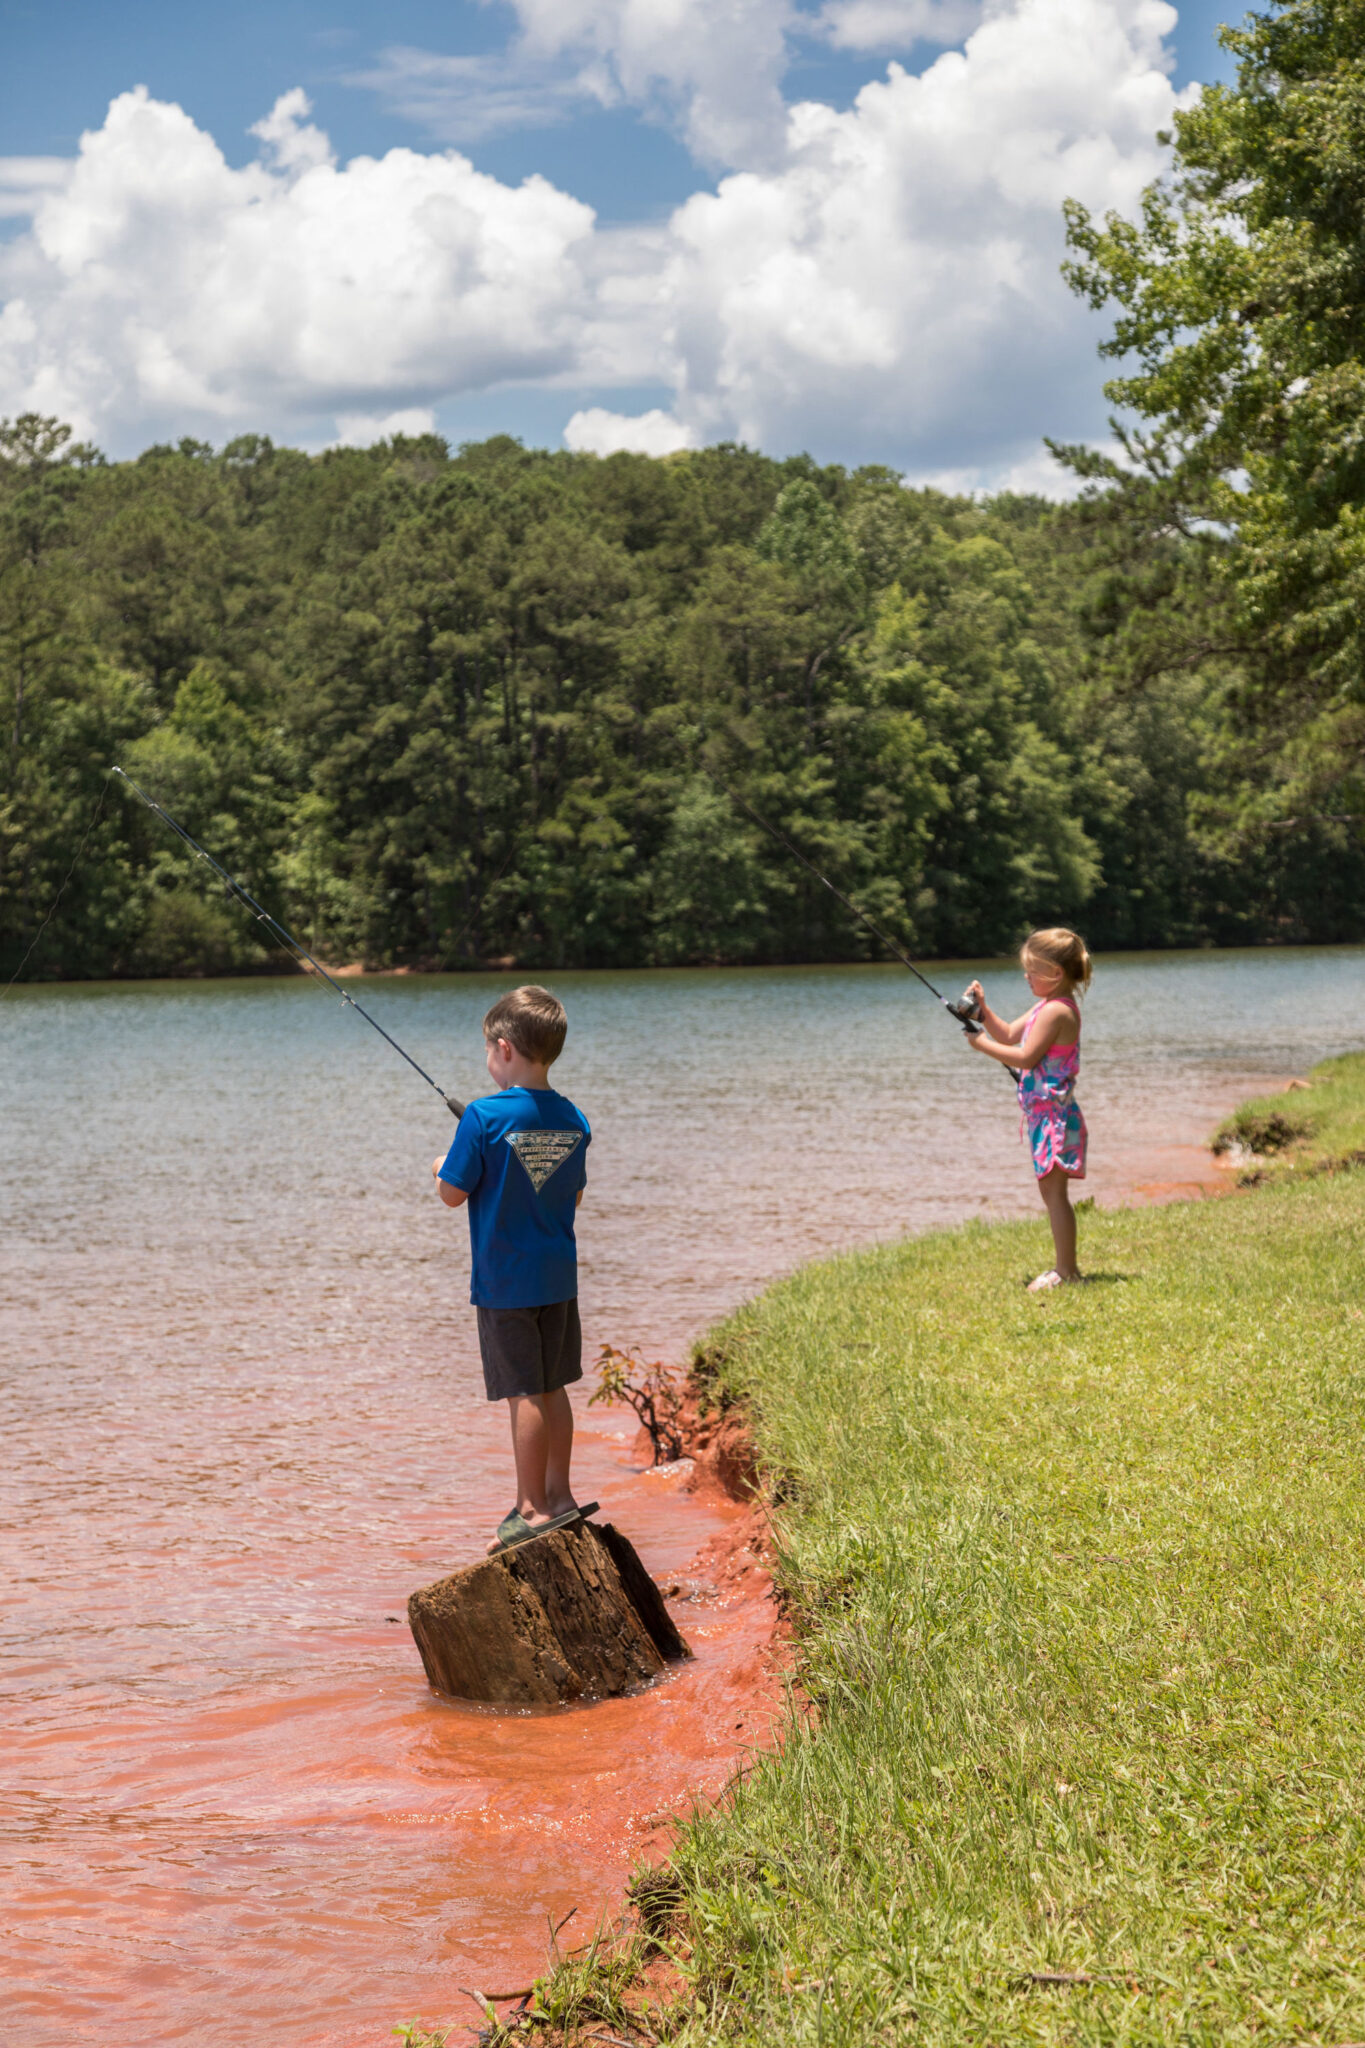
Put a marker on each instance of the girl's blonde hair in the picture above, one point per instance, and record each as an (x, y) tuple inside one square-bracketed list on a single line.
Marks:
[(1060, 948)]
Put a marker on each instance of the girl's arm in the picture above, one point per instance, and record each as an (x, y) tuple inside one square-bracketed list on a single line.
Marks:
[(1041, 1038), (1005, 1034)]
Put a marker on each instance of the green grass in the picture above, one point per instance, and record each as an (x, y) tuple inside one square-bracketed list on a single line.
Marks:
[(1080, 1591)]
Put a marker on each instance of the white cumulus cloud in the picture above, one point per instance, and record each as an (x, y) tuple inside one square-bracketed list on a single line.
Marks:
[(896, 282), (714, 65), (363, 429), (712, 69), (159, 289), (595, 431), (291, 140), (896, 24), (877, 283)]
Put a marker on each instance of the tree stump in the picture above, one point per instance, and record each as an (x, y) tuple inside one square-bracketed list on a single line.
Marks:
[(573, 1615)]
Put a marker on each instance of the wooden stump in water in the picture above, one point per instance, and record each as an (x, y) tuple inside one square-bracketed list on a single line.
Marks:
[(573, 1615)]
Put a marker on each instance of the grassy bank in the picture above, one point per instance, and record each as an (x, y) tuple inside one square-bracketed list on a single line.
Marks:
[(1080, 1589), (1079, 1585)]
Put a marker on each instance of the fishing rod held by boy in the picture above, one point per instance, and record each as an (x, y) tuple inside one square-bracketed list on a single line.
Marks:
[(281, 937)]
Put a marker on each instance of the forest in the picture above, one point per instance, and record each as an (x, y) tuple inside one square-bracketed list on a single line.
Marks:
[(495, 705), (445, 709)]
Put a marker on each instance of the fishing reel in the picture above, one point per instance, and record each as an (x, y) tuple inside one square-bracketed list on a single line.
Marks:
[(967, 1010)]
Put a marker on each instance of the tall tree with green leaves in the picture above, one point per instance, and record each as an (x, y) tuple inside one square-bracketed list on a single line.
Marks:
[(64, 711), (1240, 328)]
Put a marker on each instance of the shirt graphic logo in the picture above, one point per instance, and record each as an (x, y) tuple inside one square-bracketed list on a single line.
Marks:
[(541, 1152)]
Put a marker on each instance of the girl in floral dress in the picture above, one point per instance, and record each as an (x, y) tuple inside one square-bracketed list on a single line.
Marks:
[(1044, 1047)]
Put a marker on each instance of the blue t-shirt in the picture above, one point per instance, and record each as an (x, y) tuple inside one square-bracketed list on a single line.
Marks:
[(520, 1156)]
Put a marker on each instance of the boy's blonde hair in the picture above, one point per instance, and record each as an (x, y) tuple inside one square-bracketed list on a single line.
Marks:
[(532, 1020), (1060, 948)]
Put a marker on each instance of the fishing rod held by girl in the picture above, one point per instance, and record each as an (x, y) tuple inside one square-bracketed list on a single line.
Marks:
[(966, 1009), (280, 937)]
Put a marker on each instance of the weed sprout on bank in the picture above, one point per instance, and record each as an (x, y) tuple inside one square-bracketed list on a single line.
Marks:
[(653, 1391)]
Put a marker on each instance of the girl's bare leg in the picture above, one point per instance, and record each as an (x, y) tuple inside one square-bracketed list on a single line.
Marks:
[(1055, 1189)]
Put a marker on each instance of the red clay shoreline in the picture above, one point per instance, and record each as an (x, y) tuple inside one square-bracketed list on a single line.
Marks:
[(718, 1439), (739, 1560)]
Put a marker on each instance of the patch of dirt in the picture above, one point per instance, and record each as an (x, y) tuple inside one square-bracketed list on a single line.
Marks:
[(720, 1445)]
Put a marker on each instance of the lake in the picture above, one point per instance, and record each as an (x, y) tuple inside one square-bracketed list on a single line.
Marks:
[(243, 1419)]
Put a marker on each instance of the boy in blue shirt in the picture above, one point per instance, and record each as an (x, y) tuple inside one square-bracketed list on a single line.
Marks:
[(518, 1160)]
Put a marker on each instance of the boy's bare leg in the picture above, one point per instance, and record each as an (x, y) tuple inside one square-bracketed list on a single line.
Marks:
[(558, 1451), (542, 1445), (530, 1447), (1055, 1189)]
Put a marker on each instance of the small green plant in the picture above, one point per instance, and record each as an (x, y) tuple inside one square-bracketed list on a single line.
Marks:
[(657, 1896), (1262, 1130), (590, 1988), (653, 1391), (707, 1377), (495, 2033)]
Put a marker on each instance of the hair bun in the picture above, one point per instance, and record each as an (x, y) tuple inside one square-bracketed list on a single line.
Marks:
[(1062, 948)]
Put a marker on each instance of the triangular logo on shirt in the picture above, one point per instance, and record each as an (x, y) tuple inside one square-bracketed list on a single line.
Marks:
[(541, 1152)]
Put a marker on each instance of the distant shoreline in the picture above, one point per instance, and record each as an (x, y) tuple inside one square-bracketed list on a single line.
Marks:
[(948, 964)]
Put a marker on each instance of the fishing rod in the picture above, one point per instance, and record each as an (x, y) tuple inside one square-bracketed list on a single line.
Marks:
[(282, 937), (965, 1010)]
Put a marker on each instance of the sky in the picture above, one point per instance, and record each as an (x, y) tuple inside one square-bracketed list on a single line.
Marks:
[(830, 225)]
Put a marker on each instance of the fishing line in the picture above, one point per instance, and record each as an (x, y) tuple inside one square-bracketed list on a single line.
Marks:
[(94, 820), (282, 937), (964, 1011)]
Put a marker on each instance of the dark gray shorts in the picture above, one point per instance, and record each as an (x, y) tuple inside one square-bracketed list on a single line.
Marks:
[(530, 1350)]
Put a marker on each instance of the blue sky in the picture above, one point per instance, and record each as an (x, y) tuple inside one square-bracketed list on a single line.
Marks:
[(753, 317), (64, 60)]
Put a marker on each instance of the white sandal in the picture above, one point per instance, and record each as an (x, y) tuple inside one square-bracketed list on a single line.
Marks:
[(1046, 1282)]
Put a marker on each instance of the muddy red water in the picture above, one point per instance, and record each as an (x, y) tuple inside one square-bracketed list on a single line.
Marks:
[(243, 1420)]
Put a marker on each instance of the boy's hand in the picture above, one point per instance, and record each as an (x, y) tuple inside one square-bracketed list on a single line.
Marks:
[(977, 993), (436, 1166)]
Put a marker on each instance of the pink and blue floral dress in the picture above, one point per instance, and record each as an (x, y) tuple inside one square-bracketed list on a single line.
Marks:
[(1051, 1117)]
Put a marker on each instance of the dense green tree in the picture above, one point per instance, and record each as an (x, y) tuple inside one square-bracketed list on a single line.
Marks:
[(445, 708)]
